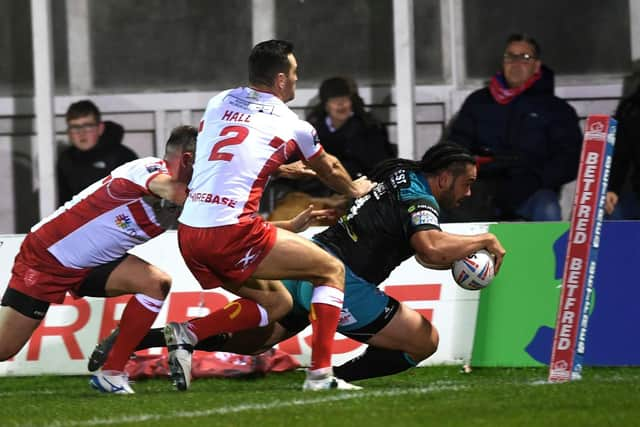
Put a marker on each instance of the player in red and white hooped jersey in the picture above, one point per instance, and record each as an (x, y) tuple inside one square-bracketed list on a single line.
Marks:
[(245, 134), (82, 249)]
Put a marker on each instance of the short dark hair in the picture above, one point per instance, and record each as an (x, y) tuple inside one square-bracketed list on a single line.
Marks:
[(340, 86), (183, 137), (267, 59), (336, 86), (524, 37), (81, 109)]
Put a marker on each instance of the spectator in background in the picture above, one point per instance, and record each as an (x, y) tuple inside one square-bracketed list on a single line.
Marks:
[(623, 195), (527, 140), (356, 137), (346, 130), (96, 148), (349, 132)]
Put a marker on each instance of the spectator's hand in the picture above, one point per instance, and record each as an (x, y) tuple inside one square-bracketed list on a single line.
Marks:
[(495, 248), (611, 200), (362, 186), (307, 217), (295, 170)]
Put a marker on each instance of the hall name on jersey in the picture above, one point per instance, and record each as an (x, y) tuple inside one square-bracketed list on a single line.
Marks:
[(212, 198), (234, 116)]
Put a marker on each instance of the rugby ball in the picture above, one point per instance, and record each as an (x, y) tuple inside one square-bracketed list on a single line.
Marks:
[(475, 271)]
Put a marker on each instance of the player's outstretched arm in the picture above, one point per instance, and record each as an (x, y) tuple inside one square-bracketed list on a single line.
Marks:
[(165, 187), (305, 219), (331, 172), (295, 170)]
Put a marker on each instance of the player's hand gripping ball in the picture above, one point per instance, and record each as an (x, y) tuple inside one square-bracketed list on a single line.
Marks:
[(475, 271)]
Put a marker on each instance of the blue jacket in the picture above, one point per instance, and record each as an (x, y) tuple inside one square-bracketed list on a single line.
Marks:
[(535, 140)]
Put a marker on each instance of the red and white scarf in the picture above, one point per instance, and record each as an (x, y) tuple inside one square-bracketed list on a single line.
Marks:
[(503, 94)]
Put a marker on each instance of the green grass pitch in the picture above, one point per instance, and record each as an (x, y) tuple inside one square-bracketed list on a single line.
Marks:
[(432, 396)]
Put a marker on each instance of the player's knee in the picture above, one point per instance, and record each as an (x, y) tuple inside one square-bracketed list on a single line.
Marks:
[(431, 342), (434, 341), (334, 273), (277, 303), (7, 352), (165, 286), (426, 345), (159, 285), (282, 306)]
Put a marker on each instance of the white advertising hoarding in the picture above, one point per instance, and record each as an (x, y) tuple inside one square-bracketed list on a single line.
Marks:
[(69, 332)]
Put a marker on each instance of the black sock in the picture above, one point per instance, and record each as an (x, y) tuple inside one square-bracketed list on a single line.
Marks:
[(213, 343), (374, 362), (155, 338)]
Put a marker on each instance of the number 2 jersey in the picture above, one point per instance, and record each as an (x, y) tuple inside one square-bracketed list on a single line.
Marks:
[(373, 237), (244, 136)]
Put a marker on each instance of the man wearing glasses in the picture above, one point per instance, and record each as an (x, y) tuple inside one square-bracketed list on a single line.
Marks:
[(95, 149), (527, 140)]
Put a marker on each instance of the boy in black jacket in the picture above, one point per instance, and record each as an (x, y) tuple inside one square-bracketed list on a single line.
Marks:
[(95, 149)]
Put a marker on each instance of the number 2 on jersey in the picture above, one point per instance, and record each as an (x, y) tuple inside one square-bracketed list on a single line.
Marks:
[(238, 134)]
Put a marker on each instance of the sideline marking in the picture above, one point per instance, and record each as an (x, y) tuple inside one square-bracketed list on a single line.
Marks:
[(344, 395)]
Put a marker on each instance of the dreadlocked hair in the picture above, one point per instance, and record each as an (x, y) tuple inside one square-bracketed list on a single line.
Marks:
[(385, 167), (444, 155)]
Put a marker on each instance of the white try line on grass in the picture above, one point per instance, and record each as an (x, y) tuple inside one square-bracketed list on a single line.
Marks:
[(28, 392), (324, 398)]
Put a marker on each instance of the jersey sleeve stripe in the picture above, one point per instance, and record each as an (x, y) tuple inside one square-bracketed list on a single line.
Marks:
[(143, 220), (257, 189), (151, 177), (317, 153)]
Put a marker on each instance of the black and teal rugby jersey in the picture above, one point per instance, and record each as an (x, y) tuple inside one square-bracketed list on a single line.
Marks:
[(372, 238)]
